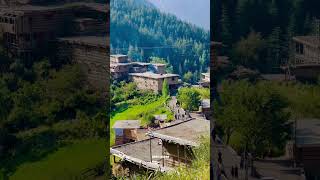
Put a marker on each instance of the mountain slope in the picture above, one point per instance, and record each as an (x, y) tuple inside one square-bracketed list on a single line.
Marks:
[(142, 32)]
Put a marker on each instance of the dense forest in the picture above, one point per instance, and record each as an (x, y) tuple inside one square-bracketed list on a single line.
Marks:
[(258, 33), (140, 30), (44, 106)]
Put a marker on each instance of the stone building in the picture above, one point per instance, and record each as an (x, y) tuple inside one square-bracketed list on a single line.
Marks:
[(90, 52), (153, 81)]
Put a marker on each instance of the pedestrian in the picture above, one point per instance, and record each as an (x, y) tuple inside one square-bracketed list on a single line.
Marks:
[(236, 173), (223, 172), (220, 157), (232, 171), (213, 134), (241, 162)]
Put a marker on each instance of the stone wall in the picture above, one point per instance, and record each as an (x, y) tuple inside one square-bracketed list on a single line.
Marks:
[(92, 59), (147, 83)]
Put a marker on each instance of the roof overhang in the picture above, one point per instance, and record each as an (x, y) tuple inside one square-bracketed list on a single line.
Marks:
[(139, 162), (171, 139)]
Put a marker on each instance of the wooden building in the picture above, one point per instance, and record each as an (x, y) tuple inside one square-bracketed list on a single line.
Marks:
[(166, 149), (205, 80), (121, 67), (26, 31), (126, 131), (304, 62), (307, 147)]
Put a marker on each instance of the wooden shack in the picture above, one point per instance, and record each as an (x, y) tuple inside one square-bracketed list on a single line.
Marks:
[(126, 131), (179, 139), (166, 148)]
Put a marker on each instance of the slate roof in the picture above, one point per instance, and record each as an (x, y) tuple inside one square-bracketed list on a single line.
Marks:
[(308, 132), (126, 124), (184, 133)]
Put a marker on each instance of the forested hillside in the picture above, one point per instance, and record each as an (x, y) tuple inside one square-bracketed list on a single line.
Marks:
[(251, 27), (142, 31)]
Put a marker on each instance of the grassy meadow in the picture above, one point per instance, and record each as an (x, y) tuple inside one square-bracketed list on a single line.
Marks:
[(65, 163)]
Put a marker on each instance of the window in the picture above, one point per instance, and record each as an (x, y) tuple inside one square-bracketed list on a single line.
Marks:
[(27, 37), (299, 48)]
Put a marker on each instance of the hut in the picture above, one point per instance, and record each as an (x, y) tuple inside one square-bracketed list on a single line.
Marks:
[(126, 131)]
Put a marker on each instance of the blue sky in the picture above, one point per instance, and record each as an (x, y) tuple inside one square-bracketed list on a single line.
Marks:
[(194, 11)]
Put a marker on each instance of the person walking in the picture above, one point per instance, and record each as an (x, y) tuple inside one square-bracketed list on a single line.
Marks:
[(236, 173), (232, 172), (220, 157)]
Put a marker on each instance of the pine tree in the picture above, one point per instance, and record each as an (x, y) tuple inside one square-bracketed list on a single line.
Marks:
[(274, 48), (225, 27)]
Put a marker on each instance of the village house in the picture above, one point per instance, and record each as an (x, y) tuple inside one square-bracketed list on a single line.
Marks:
[(205, 79), (121, 67), (306, 151), (90, 52), (305, 60), (26, 30), (166, 149), (153, 81), (74, 31), (126, 131)]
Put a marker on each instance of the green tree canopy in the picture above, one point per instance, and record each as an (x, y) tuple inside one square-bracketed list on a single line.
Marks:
[(189, 98), (257, 112)]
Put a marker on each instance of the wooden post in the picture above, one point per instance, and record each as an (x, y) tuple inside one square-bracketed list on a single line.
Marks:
[(150, 150), (185, 155), (178, 154), (162, 154)]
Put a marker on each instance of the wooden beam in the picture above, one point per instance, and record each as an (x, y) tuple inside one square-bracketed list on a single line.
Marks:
[(162, 154), (178, 154), (150, 150)]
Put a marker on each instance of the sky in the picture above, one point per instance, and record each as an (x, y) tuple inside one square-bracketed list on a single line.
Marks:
[(196, 12)]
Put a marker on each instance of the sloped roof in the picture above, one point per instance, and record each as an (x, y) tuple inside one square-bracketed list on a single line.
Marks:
[(153, 75), (184, 133), (100, 41), (308, 132), (139, 153), (313, 41)]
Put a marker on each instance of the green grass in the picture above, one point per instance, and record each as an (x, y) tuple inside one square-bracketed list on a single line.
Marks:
[(135, 112), (65, 163)]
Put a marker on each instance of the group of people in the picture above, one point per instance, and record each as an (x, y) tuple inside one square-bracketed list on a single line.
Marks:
[(234, 172)]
